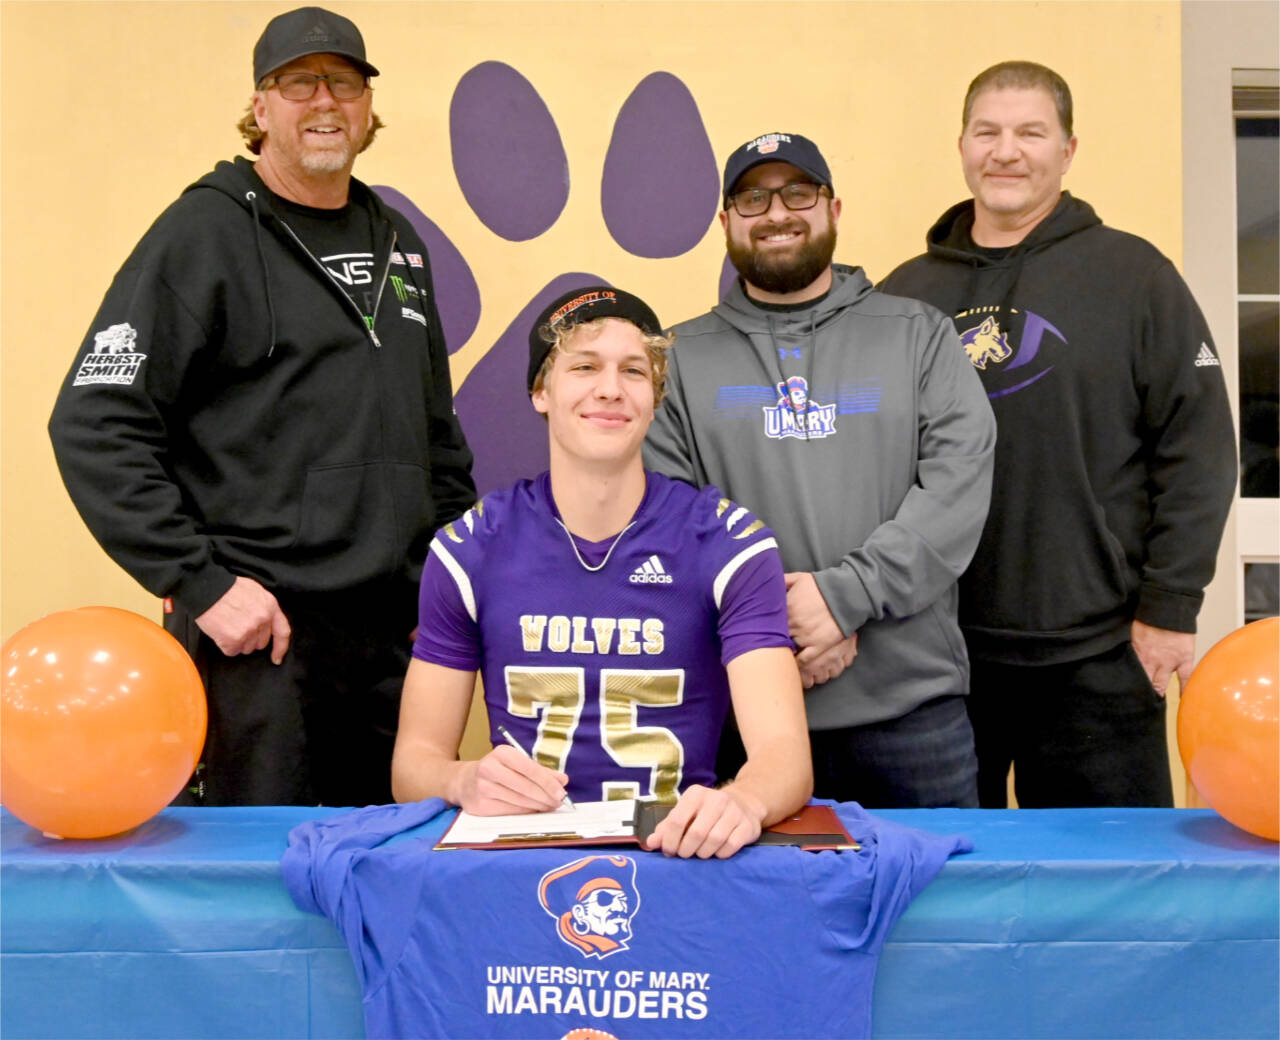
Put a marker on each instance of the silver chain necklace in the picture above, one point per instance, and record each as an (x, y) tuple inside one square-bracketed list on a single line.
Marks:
[(574, 545)]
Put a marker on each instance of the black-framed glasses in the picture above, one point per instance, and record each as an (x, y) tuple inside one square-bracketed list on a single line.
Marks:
[(302, 86), (751, 202)]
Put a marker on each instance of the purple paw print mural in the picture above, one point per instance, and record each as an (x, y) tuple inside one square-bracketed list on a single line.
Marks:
[(660, 186), (659, 192), (507, 153)]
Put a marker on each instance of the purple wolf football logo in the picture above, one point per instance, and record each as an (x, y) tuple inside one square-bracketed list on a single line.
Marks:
[(592, 901), (985, 342)]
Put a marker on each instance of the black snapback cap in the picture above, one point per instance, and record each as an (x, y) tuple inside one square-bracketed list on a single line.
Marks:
[(308, 30)]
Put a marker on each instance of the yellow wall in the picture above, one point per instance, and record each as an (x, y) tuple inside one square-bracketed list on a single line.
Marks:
[(110, 109)]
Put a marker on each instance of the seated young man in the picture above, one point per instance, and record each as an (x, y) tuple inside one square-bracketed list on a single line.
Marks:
[(613, 613)]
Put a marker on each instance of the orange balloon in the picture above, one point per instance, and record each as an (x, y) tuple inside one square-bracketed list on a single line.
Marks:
[(102, 721), (1229, 728)]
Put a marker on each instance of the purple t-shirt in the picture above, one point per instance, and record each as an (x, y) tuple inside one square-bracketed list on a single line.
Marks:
[(605, 660)]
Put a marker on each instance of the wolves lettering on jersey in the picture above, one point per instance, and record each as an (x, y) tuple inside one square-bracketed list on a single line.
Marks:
[(564, 635), (618, 683)]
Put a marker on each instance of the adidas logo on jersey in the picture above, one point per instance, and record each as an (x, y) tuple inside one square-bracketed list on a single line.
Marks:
[(651, 572), (1205, 357)]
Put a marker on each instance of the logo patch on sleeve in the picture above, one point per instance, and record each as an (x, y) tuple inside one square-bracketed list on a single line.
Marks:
[(113, 359), (1205, 358)]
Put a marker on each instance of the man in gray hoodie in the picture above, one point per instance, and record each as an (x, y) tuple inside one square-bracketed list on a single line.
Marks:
[(851, 422)]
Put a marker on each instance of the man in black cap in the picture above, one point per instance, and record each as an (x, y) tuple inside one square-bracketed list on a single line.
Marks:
[(853, 424), (613, 613), (259, 433)]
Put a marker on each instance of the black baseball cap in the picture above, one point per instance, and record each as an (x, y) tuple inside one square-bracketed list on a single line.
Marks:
[(308, 30), (582, 305), (799, 151)]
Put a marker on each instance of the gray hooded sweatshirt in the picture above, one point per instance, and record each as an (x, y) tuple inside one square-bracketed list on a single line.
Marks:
[(857, 429)]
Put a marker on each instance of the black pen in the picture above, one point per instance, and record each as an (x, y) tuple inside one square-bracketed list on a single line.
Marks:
[(506, 735)]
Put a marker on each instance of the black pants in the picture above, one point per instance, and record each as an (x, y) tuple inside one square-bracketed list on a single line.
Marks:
[(922, 760), (1087, 733), (317, 729)]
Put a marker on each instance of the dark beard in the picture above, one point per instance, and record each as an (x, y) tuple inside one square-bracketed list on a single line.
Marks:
[(784, 274)]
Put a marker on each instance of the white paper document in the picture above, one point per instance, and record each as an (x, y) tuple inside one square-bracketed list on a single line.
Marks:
[(612, 819)]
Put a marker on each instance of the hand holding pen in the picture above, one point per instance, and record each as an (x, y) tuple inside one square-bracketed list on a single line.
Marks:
[(508, 781), (506, 735)]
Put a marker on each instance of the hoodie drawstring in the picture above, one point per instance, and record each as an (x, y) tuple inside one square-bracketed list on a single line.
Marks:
[(1019, 259), (800, 416), (970, 288), (1016, 260), (252, 197)]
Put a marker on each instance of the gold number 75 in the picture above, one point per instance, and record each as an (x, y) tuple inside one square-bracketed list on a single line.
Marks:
[(558, 694)]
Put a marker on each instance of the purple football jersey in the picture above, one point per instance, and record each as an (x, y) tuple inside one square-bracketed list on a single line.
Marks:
[(608, 666)]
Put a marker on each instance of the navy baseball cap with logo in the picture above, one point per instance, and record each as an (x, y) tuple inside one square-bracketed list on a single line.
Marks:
[(799, 151), (583, 305), (308, 30)]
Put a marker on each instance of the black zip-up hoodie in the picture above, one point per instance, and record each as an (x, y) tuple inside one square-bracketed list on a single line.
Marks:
[(1115, 457), (231, 413)]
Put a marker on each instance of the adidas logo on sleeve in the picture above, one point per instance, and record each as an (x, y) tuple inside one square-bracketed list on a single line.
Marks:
[(1205, 357), (651, 572)]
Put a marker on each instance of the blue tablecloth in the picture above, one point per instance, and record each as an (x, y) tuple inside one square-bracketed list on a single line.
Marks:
[(1082, 923)]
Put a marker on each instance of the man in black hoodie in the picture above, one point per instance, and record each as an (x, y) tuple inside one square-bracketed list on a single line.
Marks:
[(259, 433), (1115, 461)]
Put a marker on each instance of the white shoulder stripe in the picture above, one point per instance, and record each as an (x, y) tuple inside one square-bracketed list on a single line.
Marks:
[(731, 568), (458, 574)]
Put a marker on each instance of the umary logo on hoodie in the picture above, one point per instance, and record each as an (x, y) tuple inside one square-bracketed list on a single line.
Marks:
[(797, 415)]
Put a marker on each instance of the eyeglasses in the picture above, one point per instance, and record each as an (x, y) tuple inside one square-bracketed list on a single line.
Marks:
[(302, 86), (751, 202)]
